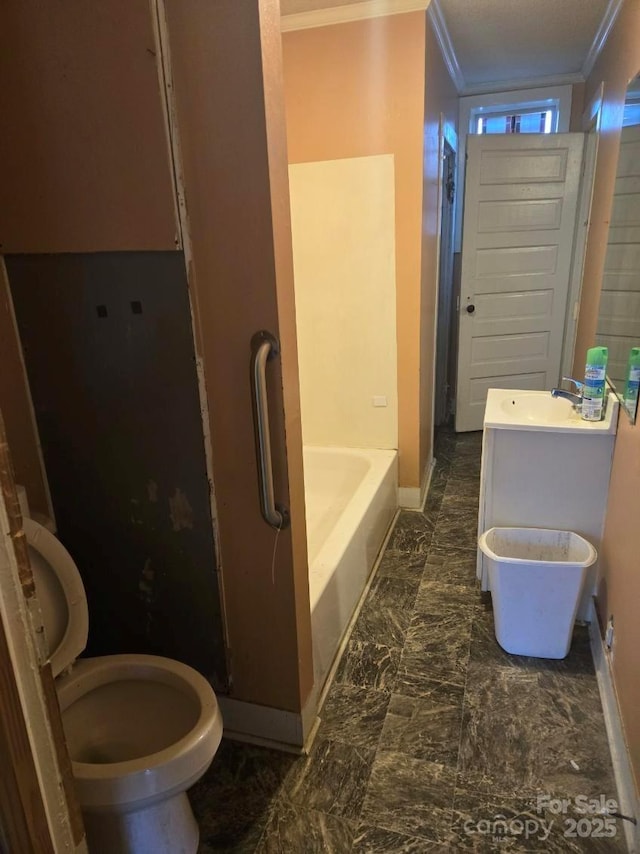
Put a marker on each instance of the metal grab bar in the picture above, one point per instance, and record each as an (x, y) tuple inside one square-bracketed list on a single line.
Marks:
[(264, 347)]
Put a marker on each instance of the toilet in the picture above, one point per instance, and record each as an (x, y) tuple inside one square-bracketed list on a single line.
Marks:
[(140, 729)]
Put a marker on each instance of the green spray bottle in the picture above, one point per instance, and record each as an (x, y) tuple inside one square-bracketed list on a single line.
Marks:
[(633, 381), (595, 376)]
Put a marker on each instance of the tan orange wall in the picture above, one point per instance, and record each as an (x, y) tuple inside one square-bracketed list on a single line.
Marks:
[(16, 408), (241, 275), (353, 90), (441, 97), (84, 167), (620, 552), (87, 168), (83, 160)]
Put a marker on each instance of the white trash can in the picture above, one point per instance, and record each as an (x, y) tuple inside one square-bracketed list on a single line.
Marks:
[(535, 577)]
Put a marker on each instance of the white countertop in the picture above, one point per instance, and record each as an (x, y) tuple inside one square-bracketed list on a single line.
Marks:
[(521, 409)]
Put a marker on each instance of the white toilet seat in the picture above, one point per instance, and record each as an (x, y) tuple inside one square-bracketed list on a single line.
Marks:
[(61, 596), (151, 777), (143, 728)]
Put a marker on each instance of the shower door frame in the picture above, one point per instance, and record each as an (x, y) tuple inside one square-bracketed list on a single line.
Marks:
[(37, 781)]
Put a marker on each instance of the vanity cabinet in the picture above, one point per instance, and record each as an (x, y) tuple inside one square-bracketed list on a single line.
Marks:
[(545, 475)]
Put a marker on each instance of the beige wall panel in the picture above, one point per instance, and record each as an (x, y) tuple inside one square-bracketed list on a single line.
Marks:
[(84, 160), (228, 93), (354, 90), (620, 552), (344, 261)]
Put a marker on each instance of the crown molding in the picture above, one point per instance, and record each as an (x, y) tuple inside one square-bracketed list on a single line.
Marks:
[(512, 85), (351, 12), (608, 20), (446, 45)]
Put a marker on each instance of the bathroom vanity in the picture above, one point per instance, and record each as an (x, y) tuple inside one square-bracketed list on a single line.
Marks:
[(544, 467)]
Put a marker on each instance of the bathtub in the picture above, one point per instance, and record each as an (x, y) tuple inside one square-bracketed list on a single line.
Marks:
[(351, 497)]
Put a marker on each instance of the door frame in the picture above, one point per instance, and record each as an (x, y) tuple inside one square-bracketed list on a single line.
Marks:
[(39, 811), (446, 293), (446, 136)]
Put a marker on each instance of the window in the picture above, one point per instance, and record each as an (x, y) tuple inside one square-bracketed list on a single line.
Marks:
[(516, 121), (631, 110), (524, 110), (527, 105)]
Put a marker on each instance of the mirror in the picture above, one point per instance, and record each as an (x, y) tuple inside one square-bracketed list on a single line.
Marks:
[(619, 313)]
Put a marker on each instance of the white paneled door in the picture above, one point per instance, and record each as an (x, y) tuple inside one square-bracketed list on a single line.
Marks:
[(519, 224)]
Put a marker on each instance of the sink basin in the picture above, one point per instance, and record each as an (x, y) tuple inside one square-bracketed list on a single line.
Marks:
[(539, 408), (521, 409)]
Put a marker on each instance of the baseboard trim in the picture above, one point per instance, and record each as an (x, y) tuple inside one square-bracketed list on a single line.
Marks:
[(413, 497), (629, 802), (268, 727)]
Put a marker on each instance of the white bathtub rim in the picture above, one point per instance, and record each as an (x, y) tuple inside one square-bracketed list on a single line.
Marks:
[(380, 462), (330, 449), (333, 550)]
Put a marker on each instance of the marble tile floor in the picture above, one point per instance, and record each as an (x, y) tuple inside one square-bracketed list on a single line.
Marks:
[(432, 738)]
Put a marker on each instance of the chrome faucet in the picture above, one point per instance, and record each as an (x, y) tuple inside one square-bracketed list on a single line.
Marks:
[(574, 397)]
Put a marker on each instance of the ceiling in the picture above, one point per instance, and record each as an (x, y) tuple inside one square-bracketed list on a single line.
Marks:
[(507, 42), (518, 40)]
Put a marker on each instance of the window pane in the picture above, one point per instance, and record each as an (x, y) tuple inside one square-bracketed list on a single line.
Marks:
[(631, 114), (531, 123), (526, 121), (495, 124)]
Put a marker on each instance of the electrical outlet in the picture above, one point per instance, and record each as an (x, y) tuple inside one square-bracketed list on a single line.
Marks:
[(608, 635)]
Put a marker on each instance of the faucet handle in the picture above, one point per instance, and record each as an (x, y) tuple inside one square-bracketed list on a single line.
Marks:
[(576, 383)]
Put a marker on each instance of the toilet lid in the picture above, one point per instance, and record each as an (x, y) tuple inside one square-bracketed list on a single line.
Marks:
[(61, 595)]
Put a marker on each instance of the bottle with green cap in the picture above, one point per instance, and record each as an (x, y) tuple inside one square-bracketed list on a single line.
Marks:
[(594, 383), (633, 381)]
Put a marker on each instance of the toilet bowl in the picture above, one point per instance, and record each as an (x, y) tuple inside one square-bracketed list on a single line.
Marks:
[(140, 729)]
